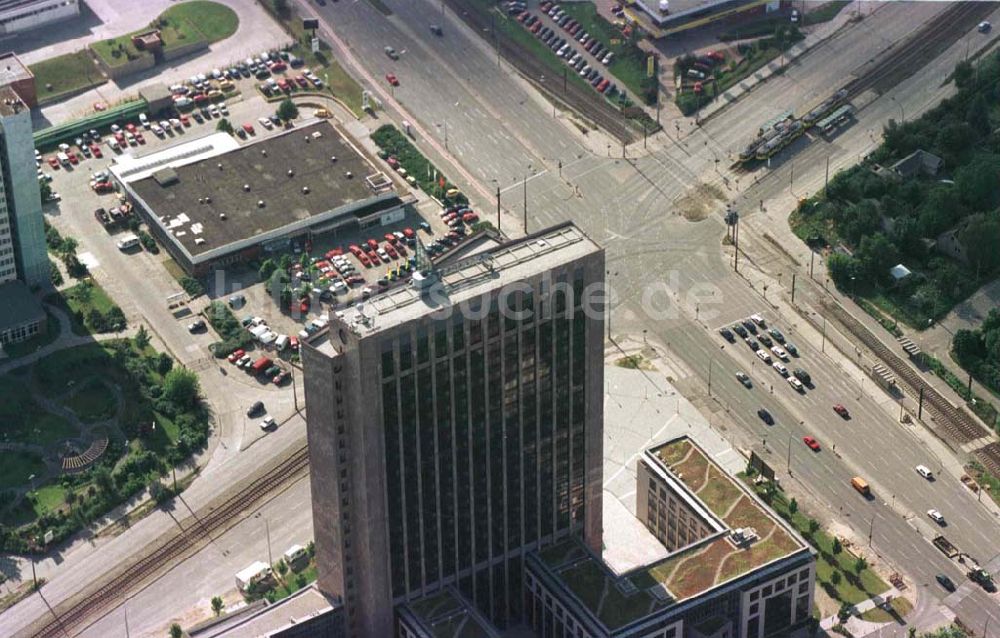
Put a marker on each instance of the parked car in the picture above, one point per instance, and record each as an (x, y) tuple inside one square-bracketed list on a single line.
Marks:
[(811, 443), (744, 379), (256, 408)]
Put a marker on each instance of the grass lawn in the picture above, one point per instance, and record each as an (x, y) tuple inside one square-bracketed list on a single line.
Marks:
[(37, 342), (629, 63), (294, 581), (48, 498), (83, 298), (92, 402), (66, 74), (213, 20), (900, 607), (16, 467), (23, 420), (181, 24), (825, 12)]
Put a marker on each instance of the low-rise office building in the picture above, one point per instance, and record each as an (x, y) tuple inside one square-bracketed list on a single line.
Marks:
[(23, 15), (212, 201), (734, 569)]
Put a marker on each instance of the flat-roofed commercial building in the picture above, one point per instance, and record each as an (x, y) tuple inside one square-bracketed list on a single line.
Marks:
[(213, 202), (24, 15), (735, 569), (455, 425)]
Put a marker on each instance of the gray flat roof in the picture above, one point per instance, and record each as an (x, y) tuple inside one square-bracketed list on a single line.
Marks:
[(17, 305), (297, 608), (209, 207), (469, 278), (11, 67)]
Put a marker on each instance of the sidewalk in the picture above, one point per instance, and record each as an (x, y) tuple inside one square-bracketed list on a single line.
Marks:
[(818, 36), (855, 624)]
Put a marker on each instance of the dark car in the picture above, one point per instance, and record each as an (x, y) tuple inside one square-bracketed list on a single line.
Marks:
[(727, 335), (744, 379), (765, 340), (945, 582), (256, 408), (780, 338), (740, 330), (765, 416), (802, 375), (752, 329), (753, 344)]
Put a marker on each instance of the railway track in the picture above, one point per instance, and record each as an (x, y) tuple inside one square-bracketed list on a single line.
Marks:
[(582, 99), (957, 423), (898, 63), (113, 591)]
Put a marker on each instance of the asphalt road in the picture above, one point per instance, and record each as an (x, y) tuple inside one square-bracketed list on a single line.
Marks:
[(668, 271)]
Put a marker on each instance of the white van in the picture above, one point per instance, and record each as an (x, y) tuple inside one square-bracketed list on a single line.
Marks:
[(128, 242), (925, 472), (281, 342), (253, 574), (294, 553)]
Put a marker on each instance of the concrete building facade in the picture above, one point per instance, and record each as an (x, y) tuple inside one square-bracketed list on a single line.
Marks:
[(22, 233), (23, 15), (455, 426)]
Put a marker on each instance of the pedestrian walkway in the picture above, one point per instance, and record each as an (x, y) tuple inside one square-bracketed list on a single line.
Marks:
[(817, 37), (855, 624)]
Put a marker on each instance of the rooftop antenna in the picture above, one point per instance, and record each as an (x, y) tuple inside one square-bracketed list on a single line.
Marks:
[(425, 275)]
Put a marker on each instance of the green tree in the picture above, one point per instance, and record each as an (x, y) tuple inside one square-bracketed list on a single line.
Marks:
[(104, 482), (968, 346), (837, 547), (282, 567), (156, 491), (977, 182), (71, 498), (875, 256), (859, 565), (225, 126), (981, 236), (793, 506), (267, 268), (978, 115), (305, 260), (84, 292), (813, 526), (963, 74), (164, 363), (176, 631), (835, 577), (281, 7), (180, 387), (141, 338), (287, 110), (843, 268), (217, 605), (46, 191), (285, 262)]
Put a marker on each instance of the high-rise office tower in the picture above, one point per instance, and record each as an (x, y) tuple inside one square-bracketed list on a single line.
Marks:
[(22, 233), (455, 424)]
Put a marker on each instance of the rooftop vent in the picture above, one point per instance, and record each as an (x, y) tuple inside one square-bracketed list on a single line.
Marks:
[(219, 165), (222, 216), (291, 172), (199, 241), (246, 187), (348, 174), (307, 139), (260, 203), (333, 158), (305, 190), (208, 200), (263, 152)]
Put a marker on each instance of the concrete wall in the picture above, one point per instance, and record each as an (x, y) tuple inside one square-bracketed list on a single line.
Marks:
[(143, 63), (184, 49)]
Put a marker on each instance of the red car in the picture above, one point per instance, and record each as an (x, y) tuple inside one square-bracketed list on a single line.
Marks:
[(302, 82), (373, 256), (120, 138), (53, 162), (139, 138), (130, 127), (73, 159), (408, 233), (811, 443), (389, 237), (842, 411), (363, 258), (249, 129), (392, 251), (236, 355), (401, 249), (372, 244), (185, 120), (96, 150), (278, 67), (391, 79)]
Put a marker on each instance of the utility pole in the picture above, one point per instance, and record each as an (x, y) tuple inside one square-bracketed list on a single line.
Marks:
[(823, 346), (920, 405), (736, 234), (267, 531), (826, 180), (793, 287), (645, 133), (871, 528), (788, 461), (126, 619), (710, 362), (295, 392), (525, 204), (34, 577), (564, 79), (812, 258), (498, 207)]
